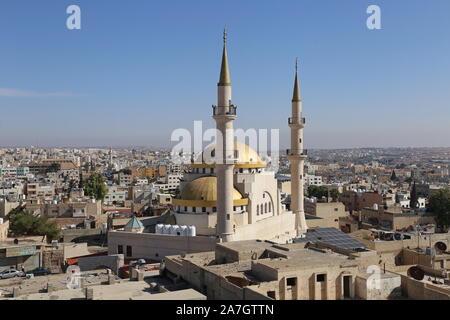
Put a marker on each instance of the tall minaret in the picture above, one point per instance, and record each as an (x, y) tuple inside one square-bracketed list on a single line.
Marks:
[(224, 114), (297, 156)]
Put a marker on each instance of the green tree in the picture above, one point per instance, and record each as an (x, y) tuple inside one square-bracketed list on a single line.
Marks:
[(318, 192), (25, 223), (334, 194), (95, 186), (439, 205), (414, 199), (54, 167), (393, 176)]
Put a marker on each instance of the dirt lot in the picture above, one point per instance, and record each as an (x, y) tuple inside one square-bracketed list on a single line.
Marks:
[(56, 281)]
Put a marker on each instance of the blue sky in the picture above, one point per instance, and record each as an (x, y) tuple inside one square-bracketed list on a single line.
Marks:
[(139, 69)]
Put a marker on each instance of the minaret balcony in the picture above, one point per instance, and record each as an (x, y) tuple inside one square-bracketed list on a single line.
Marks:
[(295, 120), (303, 152), (229, 110)]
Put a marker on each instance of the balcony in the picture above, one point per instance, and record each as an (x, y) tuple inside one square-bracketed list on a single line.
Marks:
[(303, 152), (296, 120), (231, 110)]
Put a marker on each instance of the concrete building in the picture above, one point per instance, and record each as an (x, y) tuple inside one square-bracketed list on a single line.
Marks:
[(394, 218), (249, 270), (66, 208), (355, 201), (4, 227), (328, 214), (312, 180)]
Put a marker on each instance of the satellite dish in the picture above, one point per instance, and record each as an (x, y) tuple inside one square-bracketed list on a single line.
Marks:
[(440, 247), (416, 273)]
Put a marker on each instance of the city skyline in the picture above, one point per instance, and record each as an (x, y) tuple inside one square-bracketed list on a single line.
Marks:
[(132, 76)]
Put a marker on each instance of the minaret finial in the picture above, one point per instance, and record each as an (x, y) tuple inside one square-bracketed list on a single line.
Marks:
[(224, 72), (296, 64), (225, 35)]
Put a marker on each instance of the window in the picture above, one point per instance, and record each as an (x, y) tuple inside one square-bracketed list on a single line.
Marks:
[(185, 208), (291, 281), (321, 277), (203, 209), (257, 210), (234, 208), (228, 217), (194, 209), (120, 249), (129, 251), (336, 209), (214, 209)]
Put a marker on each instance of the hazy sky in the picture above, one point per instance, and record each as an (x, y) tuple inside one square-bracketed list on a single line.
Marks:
[(139, 69)]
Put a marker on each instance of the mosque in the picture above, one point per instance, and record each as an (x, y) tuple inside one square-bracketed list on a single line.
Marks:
[(235, 196)]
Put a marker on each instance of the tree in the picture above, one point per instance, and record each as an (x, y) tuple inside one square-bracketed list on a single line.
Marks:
[(334, 194), (95, 186), (25, 223), (439, 205), (393, 176), (54, 167), (318, 192), (126, 171), (414, 199)]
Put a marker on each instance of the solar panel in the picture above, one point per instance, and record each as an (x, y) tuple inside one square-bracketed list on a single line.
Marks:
[(331, 236)]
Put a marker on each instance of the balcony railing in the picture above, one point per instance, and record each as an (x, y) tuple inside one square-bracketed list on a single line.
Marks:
[(294, 120), (231, 110), (303, 152)]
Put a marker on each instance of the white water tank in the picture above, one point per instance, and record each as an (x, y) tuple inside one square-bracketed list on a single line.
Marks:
[(191, 231), (375, 206), (1, 220), (166, 229), (159, 228), (183, 230), (175, 230)]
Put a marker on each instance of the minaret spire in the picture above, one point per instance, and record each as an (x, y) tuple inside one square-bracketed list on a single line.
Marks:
[(224, 72), (296, 95)]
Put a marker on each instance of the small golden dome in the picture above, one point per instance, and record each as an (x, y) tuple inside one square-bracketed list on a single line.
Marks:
[(204, 188)]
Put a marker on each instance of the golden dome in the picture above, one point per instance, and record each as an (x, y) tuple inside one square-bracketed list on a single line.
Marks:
[(247, 157), (202, 192), (204, 188)]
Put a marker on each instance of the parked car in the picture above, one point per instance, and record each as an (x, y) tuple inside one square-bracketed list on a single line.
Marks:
[(11, 273), (41, 272)]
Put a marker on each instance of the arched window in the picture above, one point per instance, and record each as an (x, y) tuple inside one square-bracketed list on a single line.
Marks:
[(265, 208), (257, 210), (270, 206)]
